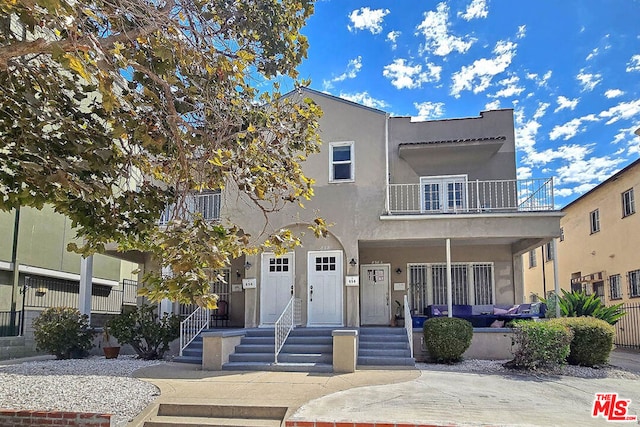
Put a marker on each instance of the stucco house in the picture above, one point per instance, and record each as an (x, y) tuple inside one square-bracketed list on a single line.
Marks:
[(398, 193)]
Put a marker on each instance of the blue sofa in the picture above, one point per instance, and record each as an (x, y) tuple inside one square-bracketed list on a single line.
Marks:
[(484, 316)]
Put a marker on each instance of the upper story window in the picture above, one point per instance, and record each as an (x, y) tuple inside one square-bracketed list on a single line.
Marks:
[(615, 289), (548, 251), (532, 258), (341, 165), (594, 220), (634, 283), (628, 203), (446, 193), (206, 204)]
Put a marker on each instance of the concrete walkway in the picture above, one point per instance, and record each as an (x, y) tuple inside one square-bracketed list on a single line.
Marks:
[(402, 397)]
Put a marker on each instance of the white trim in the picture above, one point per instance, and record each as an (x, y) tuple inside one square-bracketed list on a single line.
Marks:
[(410, 217), (55, 274), (264, 265), (443, 192), (352, 150), (387, 200)]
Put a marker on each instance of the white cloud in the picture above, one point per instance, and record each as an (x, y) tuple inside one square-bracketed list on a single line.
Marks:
[(353, 67), (493, 105), (435, 28), (571, 128), (522, 31), (587, 172), (367, 19), (634, 63), (524, 172), (477, 76), (564, 103), (405, 75), (563, 192), (541, 110), (592, 55), (588, 81), (622, 111), (511, 88), (428, 110), (526, 132), (540, 81), (365, 99), (613, 93), (477, 9), (392, 37)]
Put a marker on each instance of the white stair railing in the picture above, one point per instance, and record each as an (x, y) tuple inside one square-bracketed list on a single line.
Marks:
[(285, 324), (192, 326), (408, 323)]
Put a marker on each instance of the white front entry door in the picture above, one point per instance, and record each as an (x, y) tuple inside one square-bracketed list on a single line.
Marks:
[(276, 286), (374, 294), (324, 288)]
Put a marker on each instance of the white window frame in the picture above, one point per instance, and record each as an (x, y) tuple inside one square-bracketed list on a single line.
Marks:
[(442, 181), (594, 221), (352, 161), (628, 203)]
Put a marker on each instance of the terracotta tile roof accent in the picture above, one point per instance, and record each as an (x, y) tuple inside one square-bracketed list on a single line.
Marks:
[(455, 141)]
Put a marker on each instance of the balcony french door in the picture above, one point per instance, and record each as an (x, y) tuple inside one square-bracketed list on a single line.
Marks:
[(443, 193)]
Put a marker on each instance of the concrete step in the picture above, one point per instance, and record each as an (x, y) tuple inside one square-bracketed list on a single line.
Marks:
[(372, 330), (308, 340), (254, 348), (258, 340), (386, 361), (307, 348), (195, 360), (251, 357), (312, 332), (368, 352), (383, 345), (383, 338), (222, 411), (208, 422), (305, 358), (280, 367)]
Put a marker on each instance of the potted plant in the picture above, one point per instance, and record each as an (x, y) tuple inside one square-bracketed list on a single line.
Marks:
[(110, 351)]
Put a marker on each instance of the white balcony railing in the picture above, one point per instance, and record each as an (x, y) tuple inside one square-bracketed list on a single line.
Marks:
[(206, 204), (527, 195)]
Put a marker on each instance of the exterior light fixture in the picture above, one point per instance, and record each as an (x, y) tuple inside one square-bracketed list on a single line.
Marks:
[(247, 265), (398, 270), (353, 262)]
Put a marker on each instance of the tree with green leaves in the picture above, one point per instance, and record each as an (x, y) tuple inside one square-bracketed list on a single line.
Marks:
[(111, 110)]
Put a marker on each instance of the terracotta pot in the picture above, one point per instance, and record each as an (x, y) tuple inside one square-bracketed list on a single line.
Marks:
[(111, 352)]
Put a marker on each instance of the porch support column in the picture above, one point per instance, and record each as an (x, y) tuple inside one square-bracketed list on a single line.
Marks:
[(251, 293), (556, 282), (84, 295), (449, 292)]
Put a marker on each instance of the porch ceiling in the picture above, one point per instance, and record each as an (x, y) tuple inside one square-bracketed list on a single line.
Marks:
[(423, 157)]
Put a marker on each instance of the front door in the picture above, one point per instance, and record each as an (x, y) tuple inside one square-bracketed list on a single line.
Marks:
[(374, 294), (276, 286), (324, 281)]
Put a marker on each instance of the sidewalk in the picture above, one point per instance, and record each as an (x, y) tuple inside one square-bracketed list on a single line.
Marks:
[(403, 397)]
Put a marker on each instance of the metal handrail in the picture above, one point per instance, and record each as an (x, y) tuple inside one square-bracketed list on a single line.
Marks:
[(285, 324), (192, 326), (408, 323)]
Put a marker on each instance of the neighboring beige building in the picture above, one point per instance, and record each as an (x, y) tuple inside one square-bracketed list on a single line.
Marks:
[(597, 248), (397, 193)]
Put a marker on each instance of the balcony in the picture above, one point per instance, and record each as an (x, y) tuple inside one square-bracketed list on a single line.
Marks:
[(456, 195), (205, 204)]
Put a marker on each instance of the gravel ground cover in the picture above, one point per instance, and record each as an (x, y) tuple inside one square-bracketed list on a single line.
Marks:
[(95, 384), (106, 386)]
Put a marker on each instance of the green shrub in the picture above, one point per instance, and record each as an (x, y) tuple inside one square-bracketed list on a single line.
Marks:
[(148, 334), (576, 304), (592, 340), (63, 332), (447, 338), (540, 345)]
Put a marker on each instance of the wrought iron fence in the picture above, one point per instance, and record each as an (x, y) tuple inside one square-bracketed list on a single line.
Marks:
[(628, 328), (129, 292), (9, 323)]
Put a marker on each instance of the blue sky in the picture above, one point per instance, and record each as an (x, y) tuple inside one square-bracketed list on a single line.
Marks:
[(570, 69)]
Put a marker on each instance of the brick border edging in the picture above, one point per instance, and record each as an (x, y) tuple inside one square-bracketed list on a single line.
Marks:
[(21, 417), (359, 424)]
